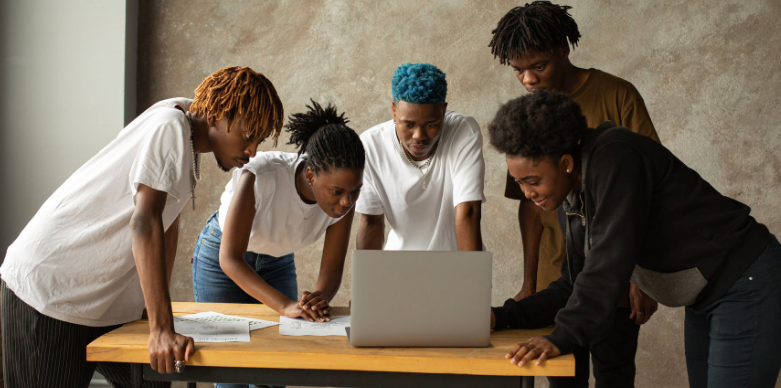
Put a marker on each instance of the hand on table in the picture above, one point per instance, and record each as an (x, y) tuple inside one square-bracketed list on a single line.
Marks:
[(537, 347), (294, 310), (165, 347), (314, 303), (643, 307)]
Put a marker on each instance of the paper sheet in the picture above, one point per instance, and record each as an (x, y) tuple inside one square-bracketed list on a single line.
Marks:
[(235, 331), (210, 316), (299, 326)]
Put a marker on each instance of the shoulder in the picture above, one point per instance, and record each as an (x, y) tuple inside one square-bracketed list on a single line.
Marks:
[(271, 161), (378, 138), (618, 84), (620, 145), (461, 128), (375, 134)]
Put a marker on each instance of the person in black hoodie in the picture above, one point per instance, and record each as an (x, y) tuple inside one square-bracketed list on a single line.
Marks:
[(633, 211)]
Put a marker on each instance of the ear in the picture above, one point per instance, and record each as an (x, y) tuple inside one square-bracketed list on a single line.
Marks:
[(564, 52), (393, 110), (310, 175), (211, 121), (567, 163), (444, 108)]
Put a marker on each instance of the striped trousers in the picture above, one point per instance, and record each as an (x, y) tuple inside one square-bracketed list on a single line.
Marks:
[(39, 351)]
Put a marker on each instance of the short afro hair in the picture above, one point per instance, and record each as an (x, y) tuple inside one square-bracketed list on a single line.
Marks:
[(419, 83), (539, 125)]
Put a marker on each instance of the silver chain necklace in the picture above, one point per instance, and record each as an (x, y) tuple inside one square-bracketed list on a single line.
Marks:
[(196, 157), (422, 166)]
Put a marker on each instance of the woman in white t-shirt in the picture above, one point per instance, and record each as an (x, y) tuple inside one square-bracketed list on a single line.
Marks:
[(276, 204)]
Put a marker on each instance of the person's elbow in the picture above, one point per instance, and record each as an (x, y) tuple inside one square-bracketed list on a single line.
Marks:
[(468, 213)]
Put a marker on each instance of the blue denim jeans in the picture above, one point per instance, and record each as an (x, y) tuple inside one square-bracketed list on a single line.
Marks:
[(736, 341), (210, 284)]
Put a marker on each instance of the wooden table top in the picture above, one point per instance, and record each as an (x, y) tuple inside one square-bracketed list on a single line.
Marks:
[(268, 349)]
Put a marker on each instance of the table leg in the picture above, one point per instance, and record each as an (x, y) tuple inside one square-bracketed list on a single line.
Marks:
[(136, 375), (527, 382), (192, 385)]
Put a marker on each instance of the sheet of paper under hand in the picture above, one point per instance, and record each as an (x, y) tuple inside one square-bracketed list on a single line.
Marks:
[(299, 326), (235, 331), (211, 316)]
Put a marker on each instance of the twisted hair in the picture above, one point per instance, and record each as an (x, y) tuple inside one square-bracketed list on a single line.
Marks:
[(325, 137), (539, 26), (543, 124), (240, 92)]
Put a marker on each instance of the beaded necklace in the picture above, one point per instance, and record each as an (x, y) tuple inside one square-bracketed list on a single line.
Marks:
[(196, 157)]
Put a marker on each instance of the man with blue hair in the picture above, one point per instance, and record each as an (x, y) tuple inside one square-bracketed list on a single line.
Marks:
[(424, 170)]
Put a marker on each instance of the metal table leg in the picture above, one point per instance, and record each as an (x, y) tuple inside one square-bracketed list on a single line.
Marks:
[(527, 382), (137, 375)]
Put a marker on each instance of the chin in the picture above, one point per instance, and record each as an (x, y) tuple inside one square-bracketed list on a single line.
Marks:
[(220, 165)]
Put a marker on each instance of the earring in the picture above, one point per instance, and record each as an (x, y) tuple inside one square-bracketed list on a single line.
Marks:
[(567, 171)]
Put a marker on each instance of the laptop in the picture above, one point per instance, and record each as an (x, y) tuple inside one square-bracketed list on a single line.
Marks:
[(420, 299)]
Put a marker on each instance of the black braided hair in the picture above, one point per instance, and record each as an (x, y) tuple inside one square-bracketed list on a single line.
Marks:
[(324, 136), (539, 26), (539, 125)]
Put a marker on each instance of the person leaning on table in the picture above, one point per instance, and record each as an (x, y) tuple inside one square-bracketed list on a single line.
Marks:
[(102, 247), (632, 210), (424, 170)]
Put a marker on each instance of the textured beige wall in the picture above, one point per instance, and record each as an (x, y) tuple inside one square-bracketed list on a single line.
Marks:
[(710, 73)]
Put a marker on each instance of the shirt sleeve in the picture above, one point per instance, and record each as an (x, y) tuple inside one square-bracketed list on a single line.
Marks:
[(621, 194), (468, 166), (369, 202), (634, 116), (159, 163)]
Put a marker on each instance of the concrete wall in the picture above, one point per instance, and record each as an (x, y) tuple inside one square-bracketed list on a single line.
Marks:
[(62, 95), (710, 73)]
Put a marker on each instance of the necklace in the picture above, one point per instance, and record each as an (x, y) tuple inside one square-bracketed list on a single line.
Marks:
[(422, 166), (196, 157)]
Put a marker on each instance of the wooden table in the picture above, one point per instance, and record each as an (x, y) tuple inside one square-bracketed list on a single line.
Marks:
[(271, 358)]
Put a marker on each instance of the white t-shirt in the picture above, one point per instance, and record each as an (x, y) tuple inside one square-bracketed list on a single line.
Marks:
[(74, 260), (283, 222), (422, 219)]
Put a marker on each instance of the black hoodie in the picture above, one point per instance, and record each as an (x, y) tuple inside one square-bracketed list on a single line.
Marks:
[(651, 220)]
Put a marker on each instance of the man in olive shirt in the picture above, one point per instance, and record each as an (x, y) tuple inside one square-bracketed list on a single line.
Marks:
[(535, 41)]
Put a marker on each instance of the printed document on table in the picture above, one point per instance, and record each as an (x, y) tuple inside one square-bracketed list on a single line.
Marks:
[(229, 331), (299, 326), (211, 316)]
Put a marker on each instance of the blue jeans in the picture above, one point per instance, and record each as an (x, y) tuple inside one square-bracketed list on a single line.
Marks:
[(735, 342), (211, 284)]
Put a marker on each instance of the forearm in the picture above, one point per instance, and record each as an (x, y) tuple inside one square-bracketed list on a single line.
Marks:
[(250, 282), (371, 232), (531, 233), (468, 231), (171, 242), (536, 311), (329, 281), (148, 243)]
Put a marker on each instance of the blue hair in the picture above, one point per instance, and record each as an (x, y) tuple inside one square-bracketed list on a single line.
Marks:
[(419, 83)]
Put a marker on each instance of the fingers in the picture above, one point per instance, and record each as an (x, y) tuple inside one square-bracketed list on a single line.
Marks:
[(179, 348), (541, 360), (538, 347), (512, 351), (189, 349)]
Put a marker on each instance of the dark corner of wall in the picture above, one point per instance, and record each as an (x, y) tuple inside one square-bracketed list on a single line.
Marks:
[(131, 60)]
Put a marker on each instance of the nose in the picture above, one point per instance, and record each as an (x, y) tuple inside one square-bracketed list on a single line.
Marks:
[(252, 149), (346, 201), (418, 134), (529, 79), (528, 192)]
